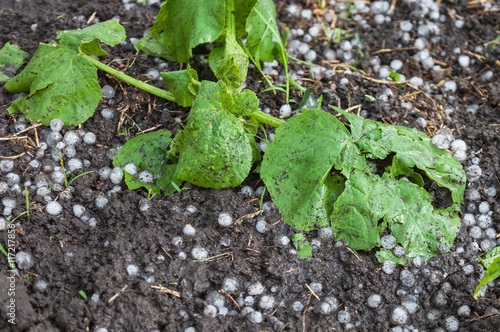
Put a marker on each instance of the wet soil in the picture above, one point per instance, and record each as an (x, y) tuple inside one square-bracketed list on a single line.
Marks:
[(70, 256)]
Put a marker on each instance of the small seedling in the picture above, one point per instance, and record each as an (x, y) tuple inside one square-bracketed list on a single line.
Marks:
[(491, 262), (66, 183), (10, 261), (82, 293), (26, 277), (53, 237)]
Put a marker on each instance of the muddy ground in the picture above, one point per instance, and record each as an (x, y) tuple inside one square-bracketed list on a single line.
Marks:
[(70, 255)]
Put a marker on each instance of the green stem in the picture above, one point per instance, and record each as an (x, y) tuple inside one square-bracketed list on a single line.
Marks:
[(130, 80), (230, 20), (267, 119)]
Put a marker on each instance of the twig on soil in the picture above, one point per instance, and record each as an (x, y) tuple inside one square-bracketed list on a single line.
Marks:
[(117, 294), (162, 289), (13, 157), (11, 138), (304, 313), (399, 49), (230, 254), (229, 295), (374, 80), (481, 317), (166, 252), (151, 129), (91, 18), (479, 58), (313, 293), (250, 216), (355, 254)]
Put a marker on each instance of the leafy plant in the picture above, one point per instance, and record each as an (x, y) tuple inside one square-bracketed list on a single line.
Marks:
[(491, 262), (304, 249), (11, 59), (318, 173)]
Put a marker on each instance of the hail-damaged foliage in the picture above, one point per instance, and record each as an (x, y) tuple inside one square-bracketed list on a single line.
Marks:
[(317, 171)]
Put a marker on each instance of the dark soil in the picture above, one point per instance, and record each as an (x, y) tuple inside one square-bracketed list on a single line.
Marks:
[(70, 256)]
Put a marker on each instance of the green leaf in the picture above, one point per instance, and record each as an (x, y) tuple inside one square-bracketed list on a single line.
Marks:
[(11, 59), (214, 150), (233, 68), (181, 25), (490, 257), (304, 249), (148, 152), (262, 28), (317, 174), (492, 273), (61, 85), (308, 100), (183, 84), (396, 77), (87, 40), (242, 9), (387, 255)]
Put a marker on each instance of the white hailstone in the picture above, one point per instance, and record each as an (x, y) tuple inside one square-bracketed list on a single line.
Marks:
[(72, 138), (307, 38), (469, 219), (3, 187), (458, 145), (35, 164), (255, 289), (69, 151), (6, 165), (487, 245), (9, 202), (246, 310), (314, 30), (104, 173), (284, 240), (374, 301), (24, 260), (60, 146), (53, 138), (472, 108), (266, 302), (78, 210), (56, 124), (92, 222), (420, 43), (108, 91), (107, 113), (43, 191), (190, 209), (310, 55), (423, 30), (346, 45), (225, 219), (199, 253), (101, 201), (388, 242), (384, 72), (189, 230), (399, 315), (230, 284), (396, 64), (344, 81), (293, 9), (464, 61), (255, 317), (487, 75), (132, 270), (459, 24), (405, 26), (177, 241), (249, 301), (407, 278), (475, 232), (303, 48), (472, 195), (379, 7), (74, 164), (153, 73), (428, 63), (306, 14), (441, 141), (116, 175), (144, 205), (40, 285), (451, 323), (223, 311), (473, 173), (285, 110), (450, 86), (297, 306), (325, 233), (53, 208), (259, 191), (344, 317), (3, 224), (484, 207), (210, 311), (262, 146), (130, 168), (491, 191), (189, 329), (464, 311), (379, 19), (261, 226), (389, 267), (247, 191), (146, 176), (410, 303), (89, 138)]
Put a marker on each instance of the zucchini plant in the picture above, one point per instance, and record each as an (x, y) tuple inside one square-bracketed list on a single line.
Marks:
[(319, 171)]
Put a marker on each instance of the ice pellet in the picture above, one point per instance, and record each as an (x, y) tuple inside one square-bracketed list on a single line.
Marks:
[(89, 138), (255, 289), (285, 110), (72, 138), (246, 190), (116, 175), (374, 301), (53, 208), (107, 113), (388, 242), (261, 226), (458, 145), (399, 315), (464, 61), (298, 306), (451, 323), (225, 219), (230, 284), (399, 251), (344, 317), (396, 64), (473, 172), (146, 176), (199, 253), (255, 317), (56, 125), (132, 270), (74, 164), (24, 260), (189, 230), (6, 165), (484, 221), (464, 311), (484, 207), (407, 278), (389, 267), (108, 91), (78, 210), (266, 302)]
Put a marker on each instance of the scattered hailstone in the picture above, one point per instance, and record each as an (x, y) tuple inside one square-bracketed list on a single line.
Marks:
[(261, 226), (74, 164), (89, 138), (389, 267), (53, 208), (56, 125), (108, 91), (316, 287), (464, 61), (344, 317), (230, 284), (144, 205), (255, 317), (247, 191), (132, 270), (450, 86), (116, 175), (374, 301), (189, 230), (284, 240), (130, 168), (473, 172), (177, 241), (104, 173), (107, 113), (24, 260), (225, 219), (399, 315), (325, 233), (72, 138), (388, 242), (78, 210), (451, 323), (199, 253), (146, 176), (266, 302), (285, 110)]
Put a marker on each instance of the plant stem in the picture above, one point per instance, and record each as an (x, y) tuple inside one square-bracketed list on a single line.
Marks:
[(267, 119), (130, 80)]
